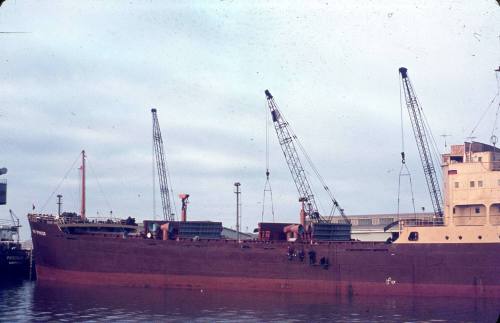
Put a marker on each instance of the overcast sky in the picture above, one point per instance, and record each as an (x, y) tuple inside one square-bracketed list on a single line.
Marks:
[(85, 75)]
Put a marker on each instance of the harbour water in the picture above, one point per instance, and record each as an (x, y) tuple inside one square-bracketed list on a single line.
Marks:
[(32, 301)]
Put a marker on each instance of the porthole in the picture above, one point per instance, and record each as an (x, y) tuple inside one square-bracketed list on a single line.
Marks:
[(460, 237), (447, 238), (479, 237)]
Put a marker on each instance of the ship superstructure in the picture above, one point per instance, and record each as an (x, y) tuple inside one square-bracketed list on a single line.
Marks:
[(471, 174)]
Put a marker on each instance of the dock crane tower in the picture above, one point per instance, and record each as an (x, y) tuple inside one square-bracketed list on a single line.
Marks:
[(286, 139), (419, 130), (161, 167)]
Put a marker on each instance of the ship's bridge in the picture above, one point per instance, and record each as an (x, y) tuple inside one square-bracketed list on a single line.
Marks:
[(472, 184), (471, 177)]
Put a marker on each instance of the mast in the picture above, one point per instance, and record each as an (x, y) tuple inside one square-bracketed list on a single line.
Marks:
[(419, 130), (59, 204), (82, 212), (237, 192)]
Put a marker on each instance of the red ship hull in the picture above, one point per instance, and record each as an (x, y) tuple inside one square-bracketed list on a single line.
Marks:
[(355, 268)]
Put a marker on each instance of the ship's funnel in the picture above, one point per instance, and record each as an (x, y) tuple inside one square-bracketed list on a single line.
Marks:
[(184, 199), (3, 171)]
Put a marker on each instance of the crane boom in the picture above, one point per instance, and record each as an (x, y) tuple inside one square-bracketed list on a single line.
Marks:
[(286, 139), (161, 167), (14, 218), (418, 125)]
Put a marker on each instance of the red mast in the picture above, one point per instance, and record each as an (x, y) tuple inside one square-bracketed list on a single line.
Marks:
[(83, 185)]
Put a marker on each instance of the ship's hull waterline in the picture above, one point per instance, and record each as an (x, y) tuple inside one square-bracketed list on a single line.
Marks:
[(354, 268)]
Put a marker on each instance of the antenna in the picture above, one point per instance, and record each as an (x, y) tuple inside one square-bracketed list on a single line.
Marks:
[(444, 138)]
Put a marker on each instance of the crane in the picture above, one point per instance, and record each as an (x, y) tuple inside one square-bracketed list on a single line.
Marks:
[(15, 221), (161, 167), (419, 130), (286, 139)]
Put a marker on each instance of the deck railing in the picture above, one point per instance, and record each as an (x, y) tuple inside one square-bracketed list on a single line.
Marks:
[(423, 222), (97, 220), (75, 219), (8, 223)]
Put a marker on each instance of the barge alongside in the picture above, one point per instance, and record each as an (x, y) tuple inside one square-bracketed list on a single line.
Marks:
[(455, 256), (15, 261)]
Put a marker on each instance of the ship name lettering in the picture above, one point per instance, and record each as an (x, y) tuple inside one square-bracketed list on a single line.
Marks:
[(13, 258), (38, 232)]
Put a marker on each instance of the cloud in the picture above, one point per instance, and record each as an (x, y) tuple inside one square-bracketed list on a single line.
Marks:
[(87, 75)]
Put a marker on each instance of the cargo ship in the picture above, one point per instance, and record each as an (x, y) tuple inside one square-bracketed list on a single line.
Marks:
[(456, 255), (15, 261)]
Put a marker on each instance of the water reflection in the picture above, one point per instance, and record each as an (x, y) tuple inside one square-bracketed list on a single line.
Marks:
[(49, 302)]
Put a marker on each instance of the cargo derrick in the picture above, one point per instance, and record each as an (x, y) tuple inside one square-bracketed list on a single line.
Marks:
[(161, 167), (419, 130), (322, 228)]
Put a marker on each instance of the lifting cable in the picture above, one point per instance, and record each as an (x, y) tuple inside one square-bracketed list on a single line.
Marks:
[(493, 137), (316, 172), (403, 171), (103, 195), (172, 196), (100, 188), (435, 150), (486, 110), (60, 183), (435, 155), (335, 204), (267, 185), (318, 175)]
